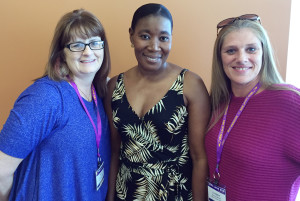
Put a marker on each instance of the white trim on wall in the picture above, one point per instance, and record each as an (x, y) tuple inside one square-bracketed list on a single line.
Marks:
[(293, 64)]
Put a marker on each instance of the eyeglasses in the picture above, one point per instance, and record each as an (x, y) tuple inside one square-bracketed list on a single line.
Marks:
[(79, 47), (228, 21)]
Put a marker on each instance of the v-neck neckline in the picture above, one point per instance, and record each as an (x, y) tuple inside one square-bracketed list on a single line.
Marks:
[(144, 115)]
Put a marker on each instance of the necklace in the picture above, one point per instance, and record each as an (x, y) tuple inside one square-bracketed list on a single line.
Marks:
[(88, 98)]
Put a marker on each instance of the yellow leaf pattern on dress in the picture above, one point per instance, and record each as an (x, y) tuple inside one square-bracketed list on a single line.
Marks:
[(178, 119), (155, 163), (119, 92), (158, 107), (116, 119)]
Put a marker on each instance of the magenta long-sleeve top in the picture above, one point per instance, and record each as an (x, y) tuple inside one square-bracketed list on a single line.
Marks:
[(261, 156)]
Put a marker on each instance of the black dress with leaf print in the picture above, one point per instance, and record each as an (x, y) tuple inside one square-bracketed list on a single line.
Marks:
[(155, 161)]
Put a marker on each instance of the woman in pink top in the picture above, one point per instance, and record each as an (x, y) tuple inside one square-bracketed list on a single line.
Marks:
[(253, 143)]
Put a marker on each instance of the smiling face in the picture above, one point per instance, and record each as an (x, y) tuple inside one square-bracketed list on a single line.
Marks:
[(86, 63), (152, 39), (241, 55)]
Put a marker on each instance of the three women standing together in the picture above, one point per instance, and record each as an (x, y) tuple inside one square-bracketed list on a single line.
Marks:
[(56, 139)]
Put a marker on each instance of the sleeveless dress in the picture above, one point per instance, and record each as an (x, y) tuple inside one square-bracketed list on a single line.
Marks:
[(155, 162)]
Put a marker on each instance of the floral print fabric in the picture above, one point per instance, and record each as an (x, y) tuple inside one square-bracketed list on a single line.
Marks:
[(155, 161)]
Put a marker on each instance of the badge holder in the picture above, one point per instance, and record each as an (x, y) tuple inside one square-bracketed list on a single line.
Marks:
[(216, 192), (99, 173)]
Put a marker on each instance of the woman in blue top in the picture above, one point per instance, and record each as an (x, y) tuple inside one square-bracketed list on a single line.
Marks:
[(55, 142)]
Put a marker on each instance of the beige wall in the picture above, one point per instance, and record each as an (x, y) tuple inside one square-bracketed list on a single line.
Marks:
[(27, 28)]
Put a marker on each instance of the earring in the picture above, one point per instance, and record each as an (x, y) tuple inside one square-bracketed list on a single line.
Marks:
[(132, 45)]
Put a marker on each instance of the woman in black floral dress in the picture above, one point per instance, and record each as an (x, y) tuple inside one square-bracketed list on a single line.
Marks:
[(158, 114)]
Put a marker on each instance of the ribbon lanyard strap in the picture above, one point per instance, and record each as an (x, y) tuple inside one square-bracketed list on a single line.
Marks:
[(221, 140), (97, 130)]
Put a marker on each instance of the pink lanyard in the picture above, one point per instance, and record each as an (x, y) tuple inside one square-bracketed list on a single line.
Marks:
[(99, 126), (221, 140)]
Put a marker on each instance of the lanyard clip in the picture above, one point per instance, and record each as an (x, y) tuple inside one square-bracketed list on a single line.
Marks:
[(216, 177), (98, 157)]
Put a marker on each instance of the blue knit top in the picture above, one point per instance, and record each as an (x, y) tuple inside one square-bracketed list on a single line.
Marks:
[(49, 129)]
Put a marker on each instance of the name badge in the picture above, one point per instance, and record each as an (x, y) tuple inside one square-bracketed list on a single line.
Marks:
[(99, 175), (216, 192)]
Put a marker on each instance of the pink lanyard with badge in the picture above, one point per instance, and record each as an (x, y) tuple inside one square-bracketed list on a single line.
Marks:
[(214, 188), (98, 131)]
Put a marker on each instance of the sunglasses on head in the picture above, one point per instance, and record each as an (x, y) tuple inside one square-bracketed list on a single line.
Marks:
[(228, 21)]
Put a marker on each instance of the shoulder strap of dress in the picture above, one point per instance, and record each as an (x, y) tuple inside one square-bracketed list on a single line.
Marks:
[(181, 75), (183, 71), (120, 77)]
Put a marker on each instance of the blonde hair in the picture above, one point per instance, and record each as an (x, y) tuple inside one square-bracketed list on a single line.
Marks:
[(221, 85)]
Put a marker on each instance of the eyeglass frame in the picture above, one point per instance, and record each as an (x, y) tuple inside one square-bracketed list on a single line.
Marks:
[(85, 44), (233, 19)]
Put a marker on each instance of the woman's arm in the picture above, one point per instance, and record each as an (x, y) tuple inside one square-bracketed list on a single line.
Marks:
[(199, 110), (115, 141), (8, 165)]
